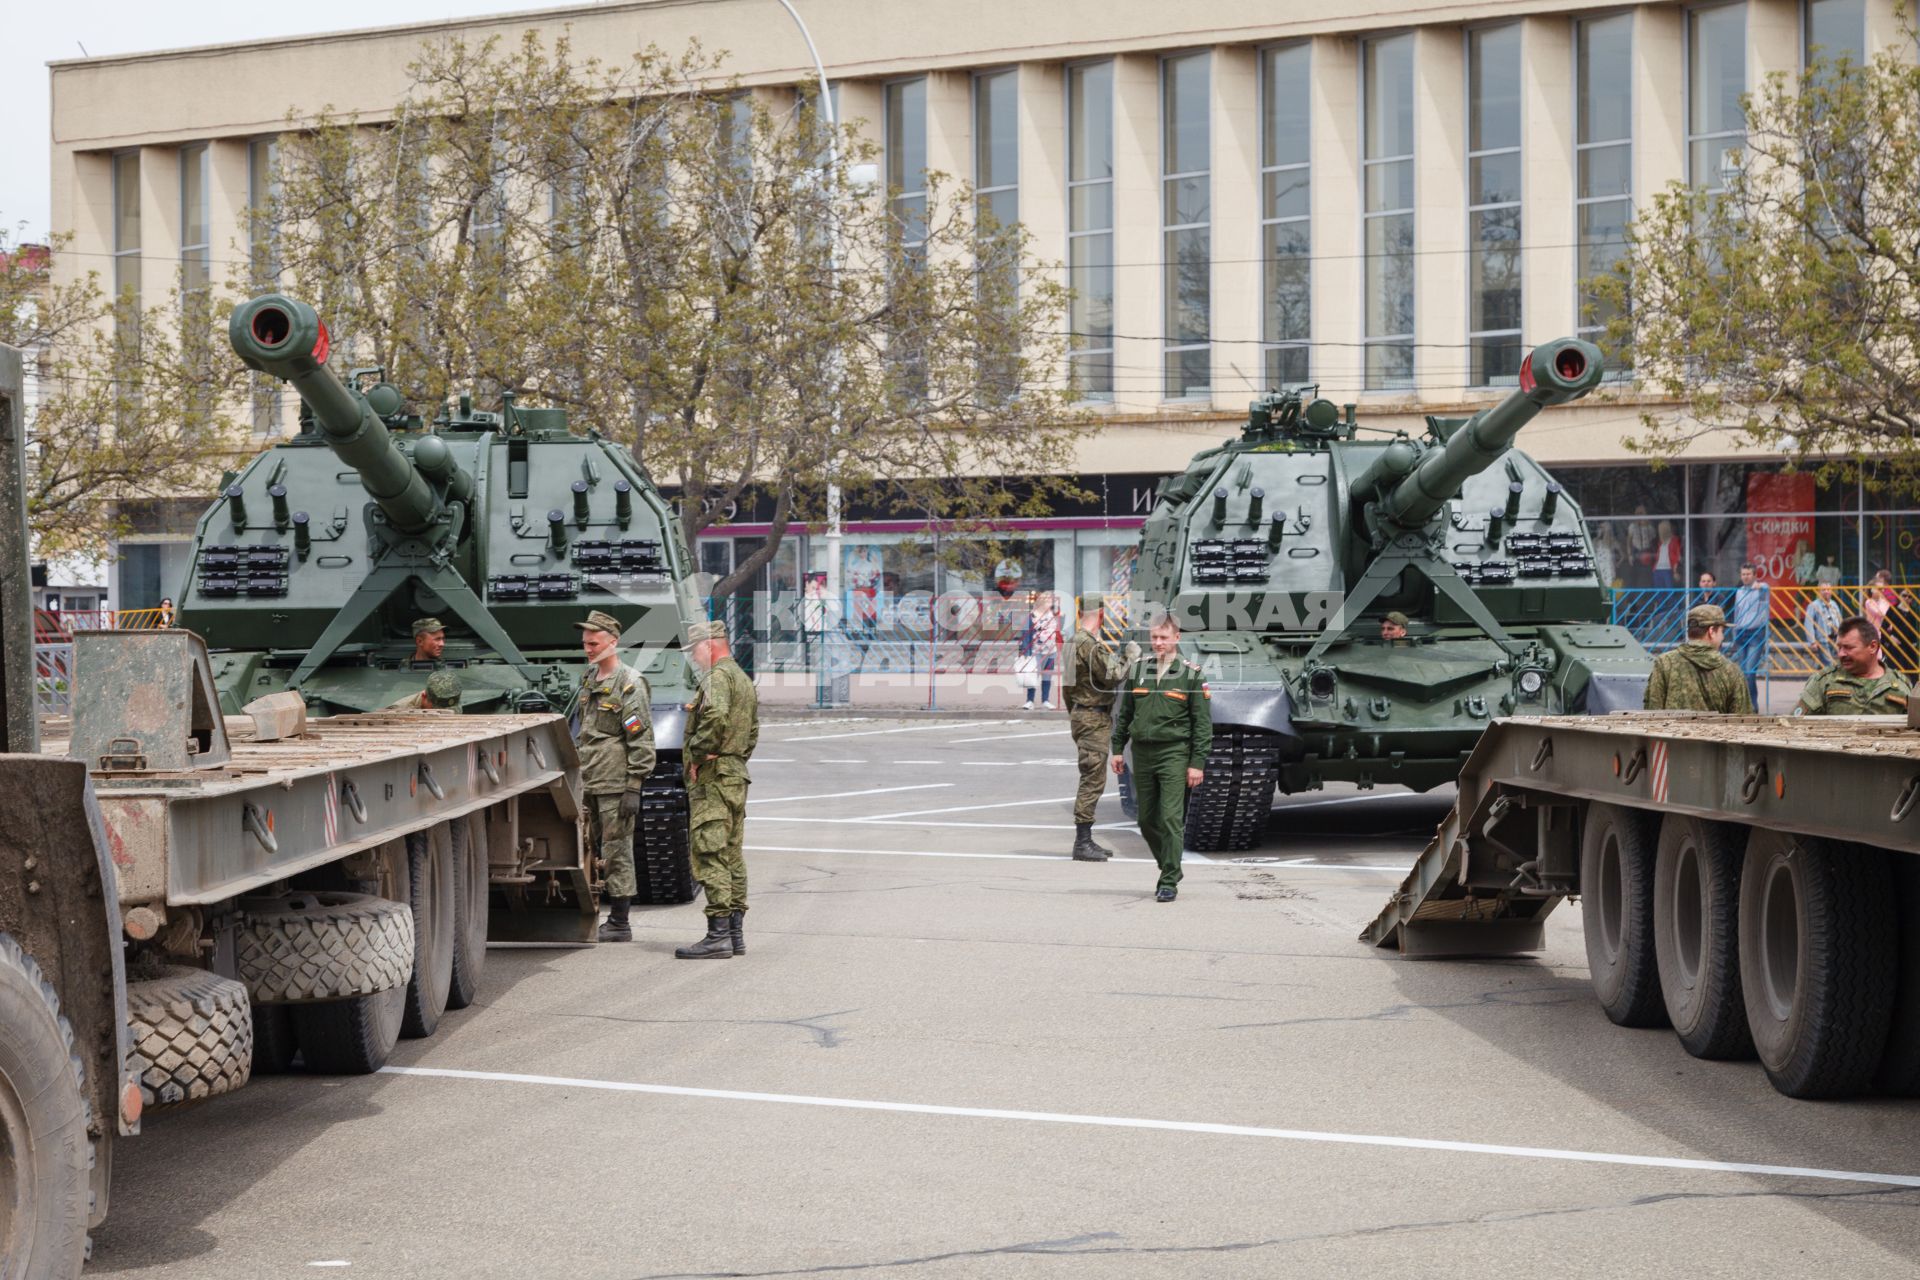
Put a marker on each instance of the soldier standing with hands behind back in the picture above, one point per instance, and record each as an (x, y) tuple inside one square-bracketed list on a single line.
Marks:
[(723, 727), (1696, 676), (1093, 675), (615, 737), (1164, 714)]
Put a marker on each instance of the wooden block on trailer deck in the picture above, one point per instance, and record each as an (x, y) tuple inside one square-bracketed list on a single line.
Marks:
[(277, 716)]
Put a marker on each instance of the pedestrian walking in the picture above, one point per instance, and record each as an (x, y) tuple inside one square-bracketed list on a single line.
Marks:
[(723, 727), (1858, 683), (614, 733), (1094, 670), (1821, 624), (1751, 608), (1163, 713), (1886, 609), (1695, 675), (1040, 640)]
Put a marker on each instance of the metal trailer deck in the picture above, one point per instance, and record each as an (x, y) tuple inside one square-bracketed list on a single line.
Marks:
[(346, 784)]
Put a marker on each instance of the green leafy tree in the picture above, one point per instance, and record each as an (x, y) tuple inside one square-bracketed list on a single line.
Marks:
[(1785, 308), (692, 271)]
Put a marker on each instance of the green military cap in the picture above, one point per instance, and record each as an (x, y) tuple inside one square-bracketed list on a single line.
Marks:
[(601, 620), (443, 689), (423, 625), (1397, 618), (1092, 600), (698, 631), (1702, 616)]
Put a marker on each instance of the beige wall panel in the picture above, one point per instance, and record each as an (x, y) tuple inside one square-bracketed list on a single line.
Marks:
[(1659, 102), (1339, 275), (950, 140), (159, 223), (1043, 166), (1547, 178), (1440, 226), (1773, 41), (1237, 274), (227, 222), (1136, 233)]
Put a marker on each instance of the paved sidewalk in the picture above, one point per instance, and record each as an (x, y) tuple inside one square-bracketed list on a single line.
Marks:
[(957, 694)]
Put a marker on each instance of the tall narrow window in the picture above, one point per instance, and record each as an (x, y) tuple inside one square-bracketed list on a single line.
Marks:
[(1285, 213), (1716, 77), (1603, 146), (906, 147), (1834, 29), (1090, 227), (1387, 174), (196, 239), (126, 248), (1186, 224), (263, 262), (996, 180), (1493, 199)]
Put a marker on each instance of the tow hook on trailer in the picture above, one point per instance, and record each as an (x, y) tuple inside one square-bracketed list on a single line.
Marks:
[(1908, 798), (1544, 754), (1635, 766), (487, 767), (539, 756), (426, 776), (351, 795), (262, 828), (1751, 785)]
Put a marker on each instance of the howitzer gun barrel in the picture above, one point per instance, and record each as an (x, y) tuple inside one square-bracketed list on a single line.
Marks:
[(1552, 373), (284, 338)]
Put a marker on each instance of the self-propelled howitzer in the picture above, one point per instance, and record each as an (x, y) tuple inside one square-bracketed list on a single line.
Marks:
[(1284, 551), (310, 570)]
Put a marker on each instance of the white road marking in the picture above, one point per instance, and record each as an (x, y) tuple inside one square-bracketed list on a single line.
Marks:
[(905, 822), (842, 795), (1012, 737), (993, 764), (872, 733), (773, 760), (1191, 859), (838, 760), (1178, 1126), (969, 808), (919, 761), (1201, 859)]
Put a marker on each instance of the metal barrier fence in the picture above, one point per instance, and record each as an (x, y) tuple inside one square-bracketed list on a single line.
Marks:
[(53, 625), (53, 678), (1785, 632)]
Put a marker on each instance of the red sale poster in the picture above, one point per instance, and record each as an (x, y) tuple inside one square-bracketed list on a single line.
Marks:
[(1781, 544)]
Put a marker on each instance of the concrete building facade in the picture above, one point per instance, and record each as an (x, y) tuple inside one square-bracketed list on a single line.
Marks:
[(1393, 200)]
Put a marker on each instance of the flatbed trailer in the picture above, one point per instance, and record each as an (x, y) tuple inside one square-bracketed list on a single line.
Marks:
[(1753, 881)]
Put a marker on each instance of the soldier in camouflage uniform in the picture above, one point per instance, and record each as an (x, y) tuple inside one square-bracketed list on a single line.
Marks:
[(1858, 684), (442, 693), (1093, 675), (429, 642), (614, 730), (1696, 676), (723, 727)]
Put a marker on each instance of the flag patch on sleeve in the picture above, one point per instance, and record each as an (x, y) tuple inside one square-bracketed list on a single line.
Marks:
[(631, 723)]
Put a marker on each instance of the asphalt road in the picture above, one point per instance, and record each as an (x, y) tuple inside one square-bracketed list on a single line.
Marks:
[(951, 1052)]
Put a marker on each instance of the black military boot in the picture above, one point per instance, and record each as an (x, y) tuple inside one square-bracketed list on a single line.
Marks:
[(616, 929), (1084, 848), (736, 926), (717, 945)]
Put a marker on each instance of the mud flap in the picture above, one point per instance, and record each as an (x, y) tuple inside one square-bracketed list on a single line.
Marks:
[(542, 887)]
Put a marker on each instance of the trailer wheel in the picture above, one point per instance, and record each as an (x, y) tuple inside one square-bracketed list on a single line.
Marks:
[(470, 878), (353, 1037), (1817, 948), (192, 1034), (318, 944), (1696, 914), (432, 897), (274, 1044), (1616, 910), (45, 1156), (1900, 1065)]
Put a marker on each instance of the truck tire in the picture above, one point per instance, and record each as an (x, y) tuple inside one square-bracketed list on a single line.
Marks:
[(192, 1034), (431, 897), (470, 892), (1616, 910), (348, 1037), (321, 945), (1899, 1072), (45, 1156), (1818, 940), (274, 1044), (1696, 922)]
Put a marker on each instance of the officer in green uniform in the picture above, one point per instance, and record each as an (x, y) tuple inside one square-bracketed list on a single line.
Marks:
[(1858, 684), (1696, 676), (723, 727), (615, 736), (429, 641), (1094, 671), (1164, 714)]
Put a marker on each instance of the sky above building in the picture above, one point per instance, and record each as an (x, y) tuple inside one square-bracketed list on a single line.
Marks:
[(39, 34)]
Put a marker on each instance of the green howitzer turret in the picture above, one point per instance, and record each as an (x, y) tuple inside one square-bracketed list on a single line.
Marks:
[(285, 339), (1364, 606)]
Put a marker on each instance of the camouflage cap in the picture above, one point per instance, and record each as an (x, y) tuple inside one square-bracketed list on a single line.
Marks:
[(443, 690), (423, 625), (1397, 618), (1092, 600), (698, 631), (1702, 616), (601, 620)]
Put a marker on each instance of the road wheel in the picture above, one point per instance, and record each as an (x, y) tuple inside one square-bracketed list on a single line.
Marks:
[(192, 1034), (317, 944), (44, 1152), (353, 1037), (469, 909), (274, 1044), (432, 897), (1899, 1072), (1817, 947), (1616, 908), (1696, 915)]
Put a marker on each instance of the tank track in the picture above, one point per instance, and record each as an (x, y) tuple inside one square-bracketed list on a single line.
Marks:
[(1228, 812), (660, 855)]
